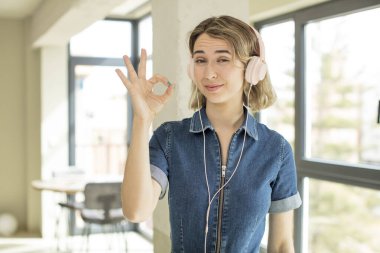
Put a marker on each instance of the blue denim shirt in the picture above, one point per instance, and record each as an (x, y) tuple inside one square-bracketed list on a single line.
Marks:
[(265, 181)]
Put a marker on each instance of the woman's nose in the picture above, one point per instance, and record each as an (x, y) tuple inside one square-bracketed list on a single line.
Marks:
[(210, 72)]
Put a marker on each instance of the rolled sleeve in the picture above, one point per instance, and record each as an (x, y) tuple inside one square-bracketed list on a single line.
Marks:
[(287, 204), (161, 178)]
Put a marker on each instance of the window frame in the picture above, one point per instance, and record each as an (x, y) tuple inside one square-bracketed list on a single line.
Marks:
[(361, 175)]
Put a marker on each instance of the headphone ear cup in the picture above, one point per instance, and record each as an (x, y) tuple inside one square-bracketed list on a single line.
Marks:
[(190, 69), (255, 71)]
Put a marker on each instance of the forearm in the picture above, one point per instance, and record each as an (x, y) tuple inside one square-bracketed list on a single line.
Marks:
[(138, 194), (284, 247), (280, 238)]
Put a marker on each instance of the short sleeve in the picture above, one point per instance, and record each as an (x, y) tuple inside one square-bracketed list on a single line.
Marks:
[(285, 195), (158, 155)]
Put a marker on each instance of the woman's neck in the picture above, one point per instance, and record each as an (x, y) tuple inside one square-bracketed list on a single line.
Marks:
[(225, 116)]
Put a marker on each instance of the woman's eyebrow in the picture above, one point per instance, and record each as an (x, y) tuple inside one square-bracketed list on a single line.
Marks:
[(222, 51), (198, 52)]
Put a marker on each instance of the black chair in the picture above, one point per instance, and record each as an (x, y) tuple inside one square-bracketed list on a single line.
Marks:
[(101, 206)]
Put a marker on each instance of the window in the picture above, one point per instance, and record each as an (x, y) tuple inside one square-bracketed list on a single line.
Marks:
[(98, 105), (280, 62), (98, 100), (100, 120), (335, 99), (338, 213), (105, 38), (343, 89)]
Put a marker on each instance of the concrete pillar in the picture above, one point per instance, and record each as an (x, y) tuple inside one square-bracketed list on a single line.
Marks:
[(172, 22)]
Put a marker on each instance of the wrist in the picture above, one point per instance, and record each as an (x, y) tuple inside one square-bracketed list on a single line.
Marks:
[(142, 123)]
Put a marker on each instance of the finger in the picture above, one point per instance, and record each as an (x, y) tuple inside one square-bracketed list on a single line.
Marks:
[(131, 70), (168, 93), (142, 65), (156, 78), (123, 78)]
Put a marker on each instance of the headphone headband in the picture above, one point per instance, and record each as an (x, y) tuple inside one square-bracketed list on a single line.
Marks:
[(261, 43)]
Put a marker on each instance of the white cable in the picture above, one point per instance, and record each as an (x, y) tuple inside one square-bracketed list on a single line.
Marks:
[(205, 166), (205, 169)]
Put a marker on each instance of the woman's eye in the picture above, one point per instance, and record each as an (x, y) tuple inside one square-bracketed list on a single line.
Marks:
[(200, 60), (223, 60)]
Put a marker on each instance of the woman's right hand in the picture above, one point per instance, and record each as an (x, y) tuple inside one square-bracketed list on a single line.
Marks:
[(146, 104)]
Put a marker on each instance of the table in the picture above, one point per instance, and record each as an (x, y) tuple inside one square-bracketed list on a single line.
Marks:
[(72, 185), (62, 185)]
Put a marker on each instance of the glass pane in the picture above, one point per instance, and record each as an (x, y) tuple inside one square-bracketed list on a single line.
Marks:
[(146, 34), (101, 120), (280, 60), (342, 82), (342, 218), (146, 41), (104, 38), (280, 116)]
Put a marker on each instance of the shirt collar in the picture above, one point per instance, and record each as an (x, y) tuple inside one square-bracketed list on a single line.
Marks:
[(196, 126)]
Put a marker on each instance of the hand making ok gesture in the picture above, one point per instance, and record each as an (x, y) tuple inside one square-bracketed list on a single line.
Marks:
[(146, 104)]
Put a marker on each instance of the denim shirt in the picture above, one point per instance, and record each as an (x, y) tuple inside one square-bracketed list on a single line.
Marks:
[(265, 181)]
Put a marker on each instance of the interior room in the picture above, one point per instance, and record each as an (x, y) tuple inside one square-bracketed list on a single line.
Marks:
[(66, 118)]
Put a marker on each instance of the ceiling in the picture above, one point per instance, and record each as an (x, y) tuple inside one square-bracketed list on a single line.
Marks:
[(19, 9)]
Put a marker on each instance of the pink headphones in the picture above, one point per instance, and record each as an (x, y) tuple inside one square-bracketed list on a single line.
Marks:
[(256, 68)]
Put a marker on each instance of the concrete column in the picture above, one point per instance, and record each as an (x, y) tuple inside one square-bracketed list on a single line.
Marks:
[(172, 22), (13, 124), (32, 136)]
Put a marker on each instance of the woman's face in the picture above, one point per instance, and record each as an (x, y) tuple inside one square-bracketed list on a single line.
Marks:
[(218, 74)]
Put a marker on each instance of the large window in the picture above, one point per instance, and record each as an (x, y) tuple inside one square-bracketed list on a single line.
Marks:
[(99, 108), (330, 81), (280, 62), (342, 218), (342, 84), (100, 120), (105, 38)]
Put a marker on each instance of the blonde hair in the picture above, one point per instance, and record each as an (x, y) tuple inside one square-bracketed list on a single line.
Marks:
[(245, 44)]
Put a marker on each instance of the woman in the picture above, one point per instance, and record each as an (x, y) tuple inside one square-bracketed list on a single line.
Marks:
[(226, 171)]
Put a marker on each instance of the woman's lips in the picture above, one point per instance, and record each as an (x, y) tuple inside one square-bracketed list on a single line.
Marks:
[(213, 87)]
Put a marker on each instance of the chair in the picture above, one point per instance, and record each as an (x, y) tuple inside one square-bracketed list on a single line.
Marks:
[(101, 206)]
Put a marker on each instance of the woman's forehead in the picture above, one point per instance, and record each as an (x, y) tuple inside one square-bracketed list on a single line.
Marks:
[(206, 42)]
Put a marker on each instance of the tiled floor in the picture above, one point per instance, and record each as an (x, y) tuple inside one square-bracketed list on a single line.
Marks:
[(98, 243)]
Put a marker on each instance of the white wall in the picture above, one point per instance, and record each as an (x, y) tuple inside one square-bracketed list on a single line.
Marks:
[(12, 120)]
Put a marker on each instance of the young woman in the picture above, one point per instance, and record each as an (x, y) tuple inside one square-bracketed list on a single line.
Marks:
[(225, 170)]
